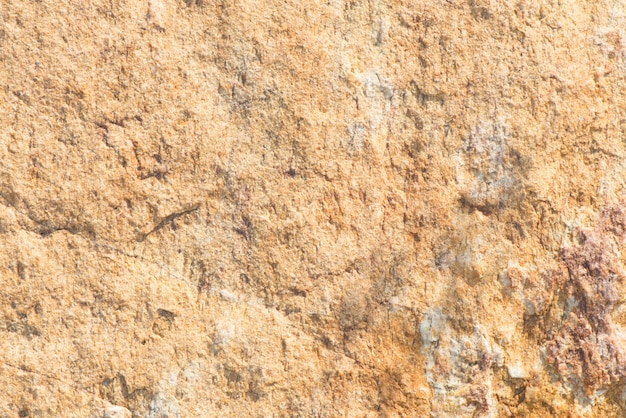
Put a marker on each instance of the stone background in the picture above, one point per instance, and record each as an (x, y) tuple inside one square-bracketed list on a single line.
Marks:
[(312, 209)]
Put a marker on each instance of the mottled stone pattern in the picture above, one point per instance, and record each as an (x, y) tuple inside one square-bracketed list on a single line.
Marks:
[(312, 208), (586, 345)]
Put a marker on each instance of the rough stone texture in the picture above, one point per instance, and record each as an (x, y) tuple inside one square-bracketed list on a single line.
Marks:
[(321, 208)]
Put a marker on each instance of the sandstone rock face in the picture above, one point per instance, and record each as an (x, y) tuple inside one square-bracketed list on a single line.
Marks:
[(312, 209)]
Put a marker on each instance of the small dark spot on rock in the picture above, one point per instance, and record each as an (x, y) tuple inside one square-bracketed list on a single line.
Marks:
[(114, 389), (520, 393), (232, 376), (233, 395), (170, 316), (164, 322), (297, 292), (254, 393), (21, 270), (328, 343)]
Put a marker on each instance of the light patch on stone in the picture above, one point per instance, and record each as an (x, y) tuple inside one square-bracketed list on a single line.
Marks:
[(458, 368), (488, 181), (224, 332), (228, 296), (516, 371), (164, 406), (116, 412), (158, 12)]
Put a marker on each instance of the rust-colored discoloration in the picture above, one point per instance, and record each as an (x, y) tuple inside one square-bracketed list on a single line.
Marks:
[(583, 348)]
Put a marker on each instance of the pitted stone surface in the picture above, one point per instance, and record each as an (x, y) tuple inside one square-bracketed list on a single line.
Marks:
[(320, 208)]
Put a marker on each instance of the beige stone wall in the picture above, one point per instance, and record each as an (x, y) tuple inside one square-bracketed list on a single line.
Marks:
[(312, 209)]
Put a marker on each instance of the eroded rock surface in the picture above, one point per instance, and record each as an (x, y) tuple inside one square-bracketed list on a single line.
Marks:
[(337, 208)]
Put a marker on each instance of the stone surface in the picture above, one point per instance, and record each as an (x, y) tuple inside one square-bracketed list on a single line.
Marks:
[(117, 412), (321, 208)]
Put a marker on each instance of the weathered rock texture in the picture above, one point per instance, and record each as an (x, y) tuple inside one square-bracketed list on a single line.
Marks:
[(312, 209)]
